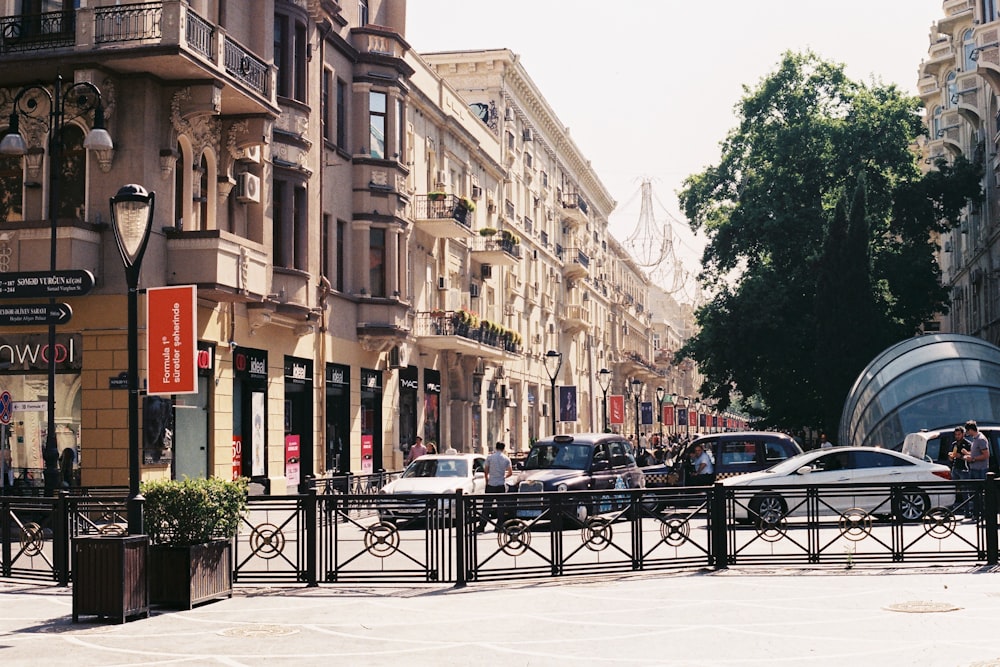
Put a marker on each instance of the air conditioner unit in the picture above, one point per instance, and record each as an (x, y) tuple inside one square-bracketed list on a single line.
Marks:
[(397, 356), (442, 282), (486, 271), (250, 154), (247, 188), (508, 113), (473, 291)]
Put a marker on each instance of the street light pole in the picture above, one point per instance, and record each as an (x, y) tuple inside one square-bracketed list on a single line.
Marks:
[(553, 362), (132, 214), (604, 380), (687, 418), (35, 103), (636, 392), (660, 391)]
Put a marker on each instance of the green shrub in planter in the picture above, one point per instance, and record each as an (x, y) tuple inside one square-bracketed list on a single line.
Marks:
[(193, 511)]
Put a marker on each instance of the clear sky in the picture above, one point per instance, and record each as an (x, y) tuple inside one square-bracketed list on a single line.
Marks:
[(648, 87)]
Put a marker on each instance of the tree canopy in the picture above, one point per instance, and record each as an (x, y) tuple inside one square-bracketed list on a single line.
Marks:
[(821, 234)]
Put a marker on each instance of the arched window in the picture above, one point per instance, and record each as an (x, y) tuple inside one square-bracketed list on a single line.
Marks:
[(968, 46), (203, 194), (72, 174), (936, 122), (179, 188), (951, 91), (11, 187)]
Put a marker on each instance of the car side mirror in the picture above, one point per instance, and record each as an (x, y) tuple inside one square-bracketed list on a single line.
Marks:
[(804, 470)]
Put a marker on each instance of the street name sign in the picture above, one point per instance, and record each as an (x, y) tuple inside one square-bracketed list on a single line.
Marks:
[(34, 284), (35, 313)]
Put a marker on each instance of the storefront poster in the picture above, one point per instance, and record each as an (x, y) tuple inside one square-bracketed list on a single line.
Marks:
[(237, 456), (367, 452), (257, 467), (567, 404), (292, 457)]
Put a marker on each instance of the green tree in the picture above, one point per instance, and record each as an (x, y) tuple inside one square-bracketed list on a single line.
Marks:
[(788, 274)]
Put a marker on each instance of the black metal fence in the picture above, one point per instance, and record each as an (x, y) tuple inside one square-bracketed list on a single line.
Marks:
[(344, 531)]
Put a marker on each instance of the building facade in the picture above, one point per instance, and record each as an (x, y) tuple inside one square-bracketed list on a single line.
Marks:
[(959, 84), (385, 244)]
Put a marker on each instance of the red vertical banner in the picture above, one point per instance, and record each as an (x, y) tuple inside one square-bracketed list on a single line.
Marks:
[(171, 340), (693, 418), (367, 453), (668, 415), (292, 458), (616, 409)]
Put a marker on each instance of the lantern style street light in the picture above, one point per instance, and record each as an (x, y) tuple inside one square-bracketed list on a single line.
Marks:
[(36, 104), (604, 381), (553, 362), (132, 216)]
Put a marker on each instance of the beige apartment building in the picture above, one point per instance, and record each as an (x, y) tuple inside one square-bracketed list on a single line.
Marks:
[(385, 244), (960, 84)]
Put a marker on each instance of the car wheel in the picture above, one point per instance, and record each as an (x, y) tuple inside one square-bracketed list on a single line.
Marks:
[(767, 509), (910, 504)]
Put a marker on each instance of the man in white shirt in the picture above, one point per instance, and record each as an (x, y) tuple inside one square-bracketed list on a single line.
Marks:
[(498, 468)]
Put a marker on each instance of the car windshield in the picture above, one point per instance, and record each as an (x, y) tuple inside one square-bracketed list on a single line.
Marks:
[(424, 467), (557, 455)]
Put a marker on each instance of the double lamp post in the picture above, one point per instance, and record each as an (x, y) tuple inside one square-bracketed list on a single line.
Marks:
[(132, 213)]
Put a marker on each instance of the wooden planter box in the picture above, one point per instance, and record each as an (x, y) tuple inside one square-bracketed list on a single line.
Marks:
[(109, 577), (181, 577)]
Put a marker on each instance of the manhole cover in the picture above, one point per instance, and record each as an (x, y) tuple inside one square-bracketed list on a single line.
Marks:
[(921, 607), (258, 631)]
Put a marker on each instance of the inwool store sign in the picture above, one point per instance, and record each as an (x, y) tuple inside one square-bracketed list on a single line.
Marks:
[(171, 340)]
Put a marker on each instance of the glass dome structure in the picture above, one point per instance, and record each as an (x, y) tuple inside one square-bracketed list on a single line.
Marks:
[(927, 382)]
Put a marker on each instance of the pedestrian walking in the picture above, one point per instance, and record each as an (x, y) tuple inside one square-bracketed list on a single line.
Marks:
[(417, 450), (498, 468)]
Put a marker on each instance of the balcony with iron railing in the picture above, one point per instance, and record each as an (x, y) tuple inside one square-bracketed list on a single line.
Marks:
[(499, 249), (576, 263), (460, 331), (443, 216), (575, 317), (130, 34), (574, 210)]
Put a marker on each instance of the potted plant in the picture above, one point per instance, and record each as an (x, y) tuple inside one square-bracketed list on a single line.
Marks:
[(468, 204), (487, 231), (191, 524), (437, 195)]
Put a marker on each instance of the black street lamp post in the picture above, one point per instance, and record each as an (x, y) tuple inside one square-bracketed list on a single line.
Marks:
[(604, 380), (36, 103), (132, 214), (660, 391), (553, 362), (687, 418), (636, 394)]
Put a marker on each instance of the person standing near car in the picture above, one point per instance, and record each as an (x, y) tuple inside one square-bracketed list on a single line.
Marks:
[(497, 468), (702, 467), (960, 448), (979, 462)]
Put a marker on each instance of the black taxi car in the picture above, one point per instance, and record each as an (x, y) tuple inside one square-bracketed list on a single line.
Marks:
[(731, 453), (578, 462)]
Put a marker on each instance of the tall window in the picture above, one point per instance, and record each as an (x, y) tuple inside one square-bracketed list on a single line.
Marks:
[(278, 217), (968, 46), (300, 230), (341, 113), (290, 57), (376, 261), (363, 12), (936, 122), (341, 242), (11, 188), (325, 108), (400, 127), (326, 242), (990, 11), (203, 195), (951, 91), (73, 174), (376, 122)]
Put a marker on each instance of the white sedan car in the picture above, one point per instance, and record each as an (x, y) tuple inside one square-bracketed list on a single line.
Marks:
[(843, 465), (432, 474)]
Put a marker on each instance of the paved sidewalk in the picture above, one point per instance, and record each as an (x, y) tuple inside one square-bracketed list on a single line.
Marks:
[(886, 617)]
